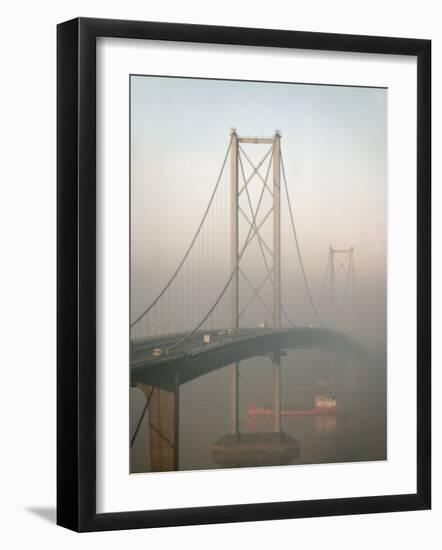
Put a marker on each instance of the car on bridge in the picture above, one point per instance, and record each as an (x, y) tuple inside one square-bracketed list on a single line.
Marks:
[(157, 352)]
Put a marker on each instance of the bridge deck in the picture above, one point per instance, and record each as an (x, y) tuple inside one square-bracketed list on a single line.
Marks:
[(195, 358)]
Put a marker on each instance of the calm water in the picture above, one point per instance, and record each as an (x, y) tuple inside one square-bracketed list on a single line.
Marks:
[(357, 432)]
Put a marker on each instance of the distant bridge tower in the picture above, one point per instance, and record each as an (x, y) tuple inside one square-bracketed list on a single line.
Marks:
[(342, 304), (274, 271), (342, 260)]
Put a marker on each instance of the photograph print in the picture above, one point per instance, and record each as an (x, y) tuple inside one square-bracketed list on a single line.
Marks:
[(258, 282)]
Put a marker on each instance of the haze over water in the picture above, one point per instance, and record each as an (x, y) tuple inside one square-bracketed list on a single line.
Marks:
[(334, 150)]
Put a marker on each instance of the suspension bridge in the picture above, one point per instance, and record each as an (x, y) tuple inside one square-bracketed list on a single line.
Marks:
[(228, 299)]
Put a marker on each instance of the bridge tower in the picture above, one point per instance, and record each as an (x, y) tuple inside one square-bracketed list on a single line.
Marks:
[(274, 274), (342, 260)]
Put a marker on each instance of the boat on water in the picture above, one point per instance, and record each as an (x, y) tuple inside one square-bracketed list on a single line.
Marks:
[(323, 404)]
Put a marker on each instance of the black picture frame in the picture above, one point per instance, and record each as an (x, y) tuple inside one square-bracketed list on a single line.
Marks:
[(76, 273)]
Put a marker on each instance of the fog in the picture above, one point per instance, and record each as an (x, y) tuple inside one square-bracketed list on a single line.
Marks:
[(334, 150), (335, 156)]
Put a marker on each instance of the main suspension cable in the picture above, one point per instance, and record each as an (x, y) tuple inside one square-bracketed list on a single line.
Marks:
[(137, 429), (186, 255), (307, 287)]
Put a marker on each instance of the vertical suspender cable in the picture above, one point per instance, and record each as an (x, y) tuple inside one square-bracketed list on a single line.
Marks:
[(180, 265)]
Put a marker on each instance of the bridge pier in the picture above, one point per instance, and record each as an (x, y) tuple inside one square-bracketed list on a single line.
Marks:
[(163, 410), (255, 449)]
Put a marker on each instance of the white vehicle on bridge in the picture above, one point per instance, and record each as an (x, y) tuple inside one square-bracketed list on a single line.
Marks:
[(157, 352), (206, 339), (262, 324)]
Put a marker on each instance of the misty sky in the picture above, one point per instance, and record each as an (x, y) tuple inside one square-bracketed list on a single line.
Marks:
[(335, 154)]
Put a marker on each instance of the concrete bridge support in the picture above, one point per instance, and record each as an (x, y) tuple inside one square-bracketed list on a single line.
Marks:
[(163, 415)]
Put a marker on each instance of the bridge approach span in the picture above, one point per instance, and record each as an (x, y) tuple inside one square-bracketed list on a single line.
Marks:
[(186, 363)]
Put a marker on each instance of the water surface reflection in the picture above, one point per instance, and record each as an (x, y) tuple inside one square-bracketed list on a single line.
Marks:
[(355, 432)]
